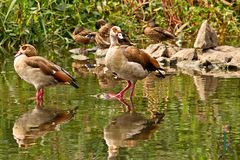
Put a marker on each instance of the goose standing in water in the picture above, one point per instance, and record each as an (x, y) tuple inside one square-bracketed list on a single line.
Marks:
[(128, 62), (39, 72)]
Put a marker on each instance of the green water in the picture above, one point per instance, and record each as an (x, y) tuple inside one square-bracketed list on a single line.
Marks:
[(196, 110)]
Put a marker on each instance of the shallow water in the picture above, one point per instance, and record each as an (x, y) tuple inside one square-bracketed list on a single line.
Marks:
[(179, 117)]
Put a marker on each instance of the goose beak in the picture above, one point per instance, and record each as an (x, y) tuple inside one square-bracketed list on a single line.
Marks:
[(120, 36), (18, 54)]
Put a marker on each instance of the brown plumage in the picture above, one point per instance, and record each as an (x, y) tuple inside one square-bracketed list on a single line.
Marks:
[(102, 35), (39, 72), (99, 23), (134, 54), (128, 62), (79, 35), (154, 32)]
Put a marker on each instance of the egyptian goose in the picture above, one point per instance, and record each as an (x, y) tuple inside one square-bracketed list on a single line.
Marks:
[(102, 35), (99, 23), (39, 72), (128, 62), (154, 32), (79, 35)]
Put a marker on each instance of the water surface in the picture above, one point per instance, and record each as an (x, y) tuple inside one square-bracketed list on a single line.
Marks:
[(179, 117)]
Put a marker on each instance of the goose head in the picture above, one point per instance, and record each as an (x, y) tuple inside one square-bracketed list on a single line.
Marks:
[(115, 35), (27, 50)]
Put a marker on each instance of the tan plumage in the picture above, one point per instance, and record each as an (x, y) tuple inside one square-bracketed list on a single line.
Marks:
[(79, 35), (128, 62), (102, 35), (154, 32), (38, 71)]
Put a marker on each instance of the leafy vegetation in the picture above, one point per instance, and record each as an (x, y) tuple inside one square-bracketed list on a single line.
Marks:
[(50, 23)]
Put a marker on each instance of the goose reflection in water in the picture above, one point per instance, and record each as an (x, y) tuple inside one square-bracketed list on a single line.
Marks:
[(38, 122), (129, 128)]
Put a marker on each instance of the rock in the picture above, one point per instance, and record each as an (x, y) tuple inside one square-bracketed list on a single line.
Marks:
[(156, 50), (151, 48), (163, 60), (222, 57), (206, 64), (226, 48), (173, 61), (79, 57), (234, 63), (161, 50), (171, 50), (189, 65), (183, 55), (75, 50), (82, 50), (206, 38)]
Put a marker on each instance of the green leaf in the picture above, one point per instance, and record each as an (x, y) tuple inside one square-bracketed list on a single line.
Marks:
[(10, 9)]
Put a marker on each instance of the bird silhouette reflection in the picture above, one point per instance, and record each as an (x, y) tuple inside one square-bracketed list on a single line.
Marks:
[(127, 129), (38, 122)]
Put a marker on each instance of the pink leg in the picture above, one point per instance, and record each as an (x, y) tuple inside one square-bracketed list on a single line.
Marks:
[(39, 97), (133, 87), (119, 96), (131, 94)]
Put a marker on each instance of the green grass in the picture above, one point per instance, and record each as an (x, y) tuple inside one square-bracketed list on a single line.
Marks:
[(50, 23)]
